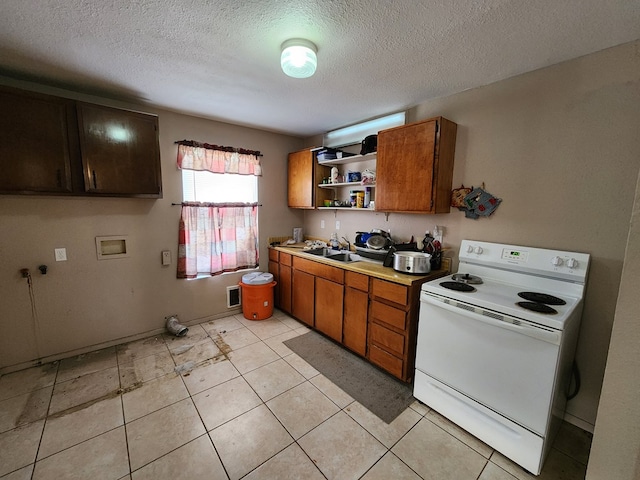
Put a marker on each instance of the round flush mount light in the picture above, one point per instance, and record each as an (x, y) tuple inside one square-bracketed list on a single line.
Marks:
[(298, 59)]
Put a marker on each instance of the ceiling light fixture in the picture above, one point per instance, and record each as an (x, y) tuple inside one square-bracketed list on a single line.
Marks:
[(298, 59)]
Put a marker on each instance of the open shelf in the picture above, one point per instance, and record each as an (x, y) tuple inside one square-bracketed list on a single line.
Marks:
[(347, 184), (351, 209), (351, 159)]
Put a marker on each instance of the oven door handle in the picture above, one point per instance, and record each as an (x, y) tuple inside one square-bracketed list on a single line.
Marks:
[(549, 336)]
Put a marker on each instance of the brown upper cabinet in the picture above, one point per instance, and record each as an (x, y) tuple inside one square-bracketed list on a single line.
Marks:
[(304, 173), (57, 146), (120, 153), (414, 167), (35, 154)]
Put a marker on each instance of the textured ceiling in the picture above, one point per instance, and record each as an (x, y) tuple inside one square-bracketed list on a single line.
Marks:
[(220, 58)]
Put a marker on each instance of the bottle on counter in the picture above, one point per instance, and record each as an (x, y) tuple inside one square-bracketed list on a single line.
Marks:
[(333, 241)]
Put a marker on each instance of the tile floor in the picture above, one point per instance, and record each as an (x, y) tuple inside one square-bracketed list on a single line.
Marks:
[(230, 401)]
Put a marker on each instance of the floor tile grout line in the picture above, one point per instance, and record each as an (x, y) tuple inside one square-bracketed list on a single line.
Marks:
[(46, 419), (263, 402), (124, 417), (459, 439)]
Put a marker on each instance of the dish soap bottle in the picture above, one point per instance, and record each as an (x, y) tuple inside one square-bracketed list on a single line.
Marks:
[(333, 242)]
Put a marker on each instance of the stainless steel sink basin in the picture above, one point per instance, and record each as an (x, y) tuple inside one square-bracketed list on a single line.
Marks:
[(331, 254), (344, 257), (321, 252)]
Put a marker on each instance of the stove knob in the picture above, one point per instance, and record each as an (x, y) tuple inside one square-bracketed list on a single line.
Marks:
[(556, 261), (572, 263), (479, 250)]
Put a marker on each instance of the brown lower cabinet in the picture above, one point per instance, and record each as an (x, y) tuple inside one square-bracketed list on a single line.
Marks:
[(329, 301), (280, 268), (356, 305), (393, 326), (374, 318), (303, 286)]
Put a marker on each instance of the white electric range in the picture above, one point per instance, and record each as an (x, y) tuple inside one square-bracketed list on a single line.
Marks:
[(496, 343)]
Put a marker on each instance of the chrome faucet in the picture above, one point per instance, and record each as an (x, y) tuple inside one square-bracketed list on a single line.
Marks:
[(348, 243)]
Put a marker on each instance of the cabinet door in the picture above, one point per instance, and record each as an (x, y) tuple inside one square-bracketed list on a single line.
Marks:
[(303, 286), (285, 288), (120, 153), (329, 298), (304, 174), (274, 269), (35, 151), (300, 179), (354, 330), (405, 168)]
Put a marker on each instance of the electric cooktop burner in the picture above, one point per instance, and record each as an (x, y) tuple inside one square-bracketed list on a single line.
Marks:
[(537, 307), (458, 286), (541, 298), (466, 278)]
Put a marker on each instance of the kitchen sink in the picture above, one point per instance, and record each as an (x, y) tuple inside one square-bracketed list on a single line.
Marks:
[(321, 252), (331, 254), (344, 257)]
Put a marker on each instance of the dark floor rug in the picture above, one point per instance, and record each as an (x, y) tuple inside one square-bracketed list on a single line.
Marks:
[(379, 392)]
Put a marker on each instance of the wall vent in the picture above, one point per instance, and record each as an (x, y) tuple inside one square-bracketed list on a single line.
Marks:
[(233, 296)]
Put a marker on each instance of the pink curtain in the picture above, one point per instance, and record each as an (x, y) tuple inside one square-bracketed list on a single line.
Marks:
[(217, 238), (216, 161)]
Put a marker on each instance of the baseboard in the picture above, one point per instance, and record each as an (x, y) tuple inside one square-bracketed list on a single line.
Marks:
[(110, 343), (578, 422)]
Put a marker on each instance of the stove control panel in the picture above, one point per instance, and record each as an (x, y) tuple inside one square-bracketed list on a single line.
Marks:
[(560, 264), (520, 256)]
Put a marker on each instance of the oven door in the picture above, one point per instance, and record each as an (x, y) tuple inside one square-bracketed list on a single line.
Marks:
[(506, 364)]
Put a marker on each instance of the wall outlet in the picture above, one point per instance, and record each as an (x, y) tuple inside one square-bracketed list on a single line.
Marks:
[(321, 223), (166, 257), (61, 254), (337, 224)]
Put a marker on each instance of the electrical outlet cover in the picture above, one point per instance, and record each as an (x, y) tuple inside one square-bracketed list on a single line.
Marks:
[(61, 254)]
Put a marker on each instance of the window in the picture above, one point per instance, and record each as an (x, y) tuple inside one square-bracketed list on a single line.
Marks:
[(218, 187), (219, 221)]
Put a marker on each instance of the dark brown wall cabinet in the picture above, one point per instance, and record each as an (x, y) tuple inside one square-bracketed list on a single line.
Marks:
[(57, 146)]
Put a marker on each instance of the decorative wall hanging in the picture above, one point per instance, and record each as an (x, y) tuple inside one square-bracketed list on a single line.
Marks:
[(475, 202), (457, 196)]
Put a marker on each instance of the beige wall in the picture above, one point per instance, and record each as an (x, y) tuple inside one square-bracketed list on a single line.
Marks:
[(84, 302), (561, 147), (615, 452)]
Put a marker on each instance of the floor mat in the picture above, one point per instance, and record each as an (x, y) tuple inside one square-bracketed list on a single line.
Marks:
[(379, 392)]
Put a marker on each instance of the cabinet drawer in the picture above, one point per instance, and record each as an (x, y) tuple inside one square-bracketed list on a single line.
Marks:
[(385, 360), (273, 255), (285, 259), (390, 340), (333, 274), (390, 291), (356, 280), (391, 316)]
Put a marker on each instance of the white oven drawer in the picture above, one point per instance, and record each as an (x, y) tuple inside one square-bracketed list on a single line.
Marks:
[(517, 443), (505, 367)]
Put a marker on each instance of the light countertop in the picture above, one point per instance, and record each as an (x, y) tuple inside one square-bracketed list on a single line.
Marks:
[(370, 268)]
